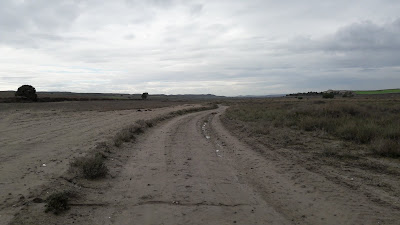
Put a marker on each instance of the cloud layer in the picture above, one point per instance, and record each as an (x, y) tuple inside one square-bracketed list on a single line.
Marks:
[(221, 47)]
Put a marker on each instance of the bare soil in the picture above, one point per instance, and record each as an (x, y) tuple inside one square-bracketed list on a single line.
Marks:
[(37, 141), (192, 170)]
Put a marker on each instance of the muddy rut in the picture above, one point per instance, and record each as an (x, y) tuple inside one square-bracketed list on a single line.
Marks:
[(191, 170)]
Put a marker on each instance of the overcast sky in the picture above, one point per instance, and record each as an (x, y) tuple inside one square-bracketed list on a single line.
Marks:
[(227, 47)]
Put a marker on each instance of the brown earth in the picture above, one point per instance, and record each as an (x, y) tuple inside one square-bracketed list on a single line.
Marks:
[(192, 170), (37, 141)]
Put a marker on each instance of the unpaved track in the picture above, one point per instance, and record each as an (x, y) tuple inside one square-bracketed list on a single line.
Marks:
[(188, 171), (36, 146)]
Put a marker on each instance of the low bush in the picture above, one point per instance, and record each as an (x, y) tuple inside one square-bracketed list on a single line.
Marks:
[(58, 202), (122, 136), (91, 167)]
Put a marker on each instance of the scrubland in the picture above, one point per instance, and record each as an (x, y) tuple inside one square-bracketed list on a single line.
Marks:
[(248, 161), (373, 124), (354, 142)]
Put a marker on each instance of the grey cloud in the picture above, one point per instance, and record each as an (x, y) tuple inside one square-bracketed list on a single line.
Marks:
[(196, 9), (129, 36), (182, 46), (21, 21), (364, 45), (366, 36), (32, 15)]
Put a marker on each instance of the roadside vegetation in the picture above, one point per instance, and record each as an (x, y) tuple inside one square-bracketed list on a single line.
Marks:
[(373, 123), (386, 91), (58, 202), (93, 166)]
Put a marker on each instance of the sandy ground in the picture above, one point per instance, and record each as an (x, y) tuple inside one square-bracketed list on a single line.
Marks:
[(191, 170), (36, 145)]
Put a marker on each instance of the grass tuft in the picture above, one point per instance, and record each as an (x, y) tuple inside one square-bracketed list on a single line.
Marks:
[(386, 148), (91, 167), (58, 202)]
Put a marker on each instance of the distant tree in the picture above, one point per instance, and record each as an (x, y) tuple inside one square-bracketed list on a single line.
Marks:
[(348, 94), (27, 91), (328, 95), (144, 95)]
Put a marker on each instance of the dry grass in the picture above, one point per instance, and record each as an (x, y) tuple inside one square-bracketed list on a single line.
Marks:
[(92, 166), (100, 105), (387, 148), (371, 122), (58, 202)]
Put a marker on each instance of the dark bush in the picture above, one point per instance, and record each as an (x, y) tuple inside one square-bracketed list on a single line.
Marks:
[(145, 95), (91, 167), (328, 95), (58, 202), (27, 91)]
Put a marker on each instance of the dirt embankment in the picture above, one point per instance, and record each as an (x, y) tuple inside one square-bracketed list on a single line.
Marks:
[(37, 143), (192, 170)]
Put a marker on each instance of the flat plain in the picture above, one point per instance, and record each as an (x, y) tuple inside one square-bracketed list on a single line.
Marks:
[(249, 161), (38, 140)]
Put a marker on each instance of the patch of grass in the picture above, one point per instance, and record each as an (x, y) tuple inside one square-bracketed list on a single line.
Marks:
[(334, 152), (358, 132), (330, 152), (361, 122), (386, 148), (91, 167), (58, 202), (125, 135)]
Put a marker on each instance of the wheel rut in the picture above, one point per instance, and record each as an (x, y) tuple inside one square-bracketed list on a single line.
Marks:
[(175, 177)]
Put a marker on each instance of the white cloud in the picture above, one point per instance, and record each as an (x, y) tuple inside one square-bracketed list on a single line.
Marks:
[(176, 46)]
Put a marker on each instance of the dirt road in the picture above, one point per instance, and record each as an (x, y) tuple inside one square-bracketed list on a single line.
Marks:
[(191, 170), (36, 145)]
